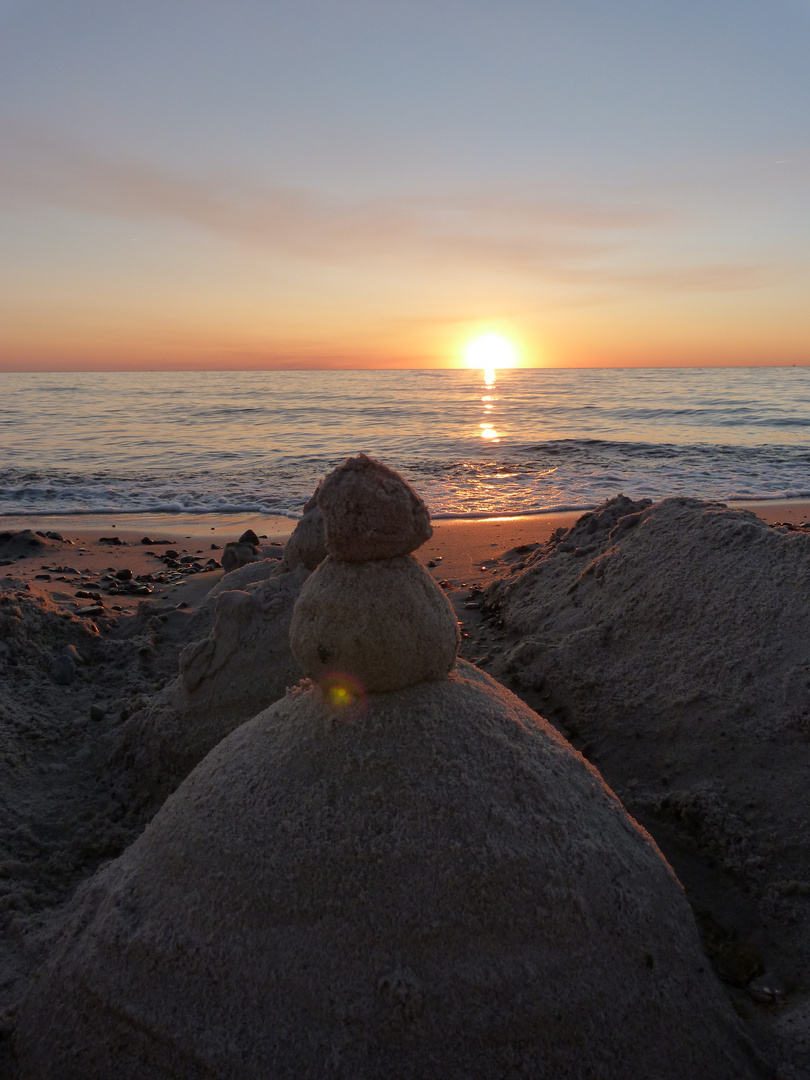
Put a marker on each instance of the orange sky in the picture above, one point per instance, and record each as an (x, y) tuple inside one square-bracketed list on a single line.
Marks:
[(348, 186)]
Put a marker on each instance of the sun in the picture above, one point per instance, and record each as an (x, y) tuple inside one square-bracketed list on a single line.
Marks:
[(490, 352)]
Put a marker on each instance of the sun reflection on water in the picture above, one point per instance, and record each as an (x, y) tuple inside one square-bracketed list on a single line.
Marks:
[(486, 428)]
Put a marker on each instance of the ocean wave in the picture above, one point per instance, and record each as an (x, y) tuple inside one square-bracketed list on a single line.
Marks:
[(258, 442)]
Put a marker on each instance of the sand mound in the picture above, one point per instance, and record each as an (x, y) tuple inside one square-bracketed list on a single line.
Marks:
[(673, 642), (64, 689), (201, 619), (243, 665), (25, 543), (430, 883)]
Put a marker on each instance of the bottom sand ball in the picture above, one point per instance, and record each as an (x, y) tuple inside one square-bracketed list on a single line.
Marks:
[(432, 884), (386, 624)]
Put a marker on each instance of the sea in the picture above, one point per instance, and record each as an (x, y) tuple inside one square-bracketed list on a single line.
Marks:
[(474, 444)]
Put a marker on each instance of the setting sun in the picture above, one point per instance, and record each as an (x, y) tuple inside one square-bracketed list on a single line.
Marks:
[(490, 352)]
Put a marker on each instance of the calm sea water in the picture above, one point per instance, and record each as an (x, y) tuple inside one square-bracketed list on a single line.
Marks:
[(534, 440)]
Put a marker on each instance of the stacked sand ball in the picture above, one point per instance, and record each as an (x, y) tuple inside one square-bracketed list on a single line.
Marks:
[(371, 618)]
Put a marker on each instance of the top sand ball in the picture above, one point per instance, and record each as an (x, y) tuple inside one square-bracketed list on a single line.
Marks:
[(370, 512)]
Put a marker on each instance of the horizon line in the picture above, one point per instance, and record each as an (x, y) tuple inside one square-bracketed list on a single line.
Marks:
[(372, 367)]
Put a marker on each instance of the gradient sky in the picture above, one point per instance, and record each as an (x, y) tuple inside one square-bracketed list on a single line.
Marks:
[(253, 183)]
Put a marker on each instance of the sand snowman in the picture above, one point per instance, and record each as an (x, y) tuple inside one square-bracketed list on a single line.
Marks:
[(399, 872), (371, 618)]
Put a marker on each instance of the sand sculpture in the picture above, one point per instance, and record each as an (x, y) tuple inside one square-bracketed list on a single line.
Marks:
[(243, 664), (371, 611), (411, 882), (306, 546), (238, 662)]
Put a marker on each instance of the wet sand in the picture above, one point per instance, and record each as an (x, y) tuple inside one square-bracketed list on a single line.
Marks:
[(465, 551)]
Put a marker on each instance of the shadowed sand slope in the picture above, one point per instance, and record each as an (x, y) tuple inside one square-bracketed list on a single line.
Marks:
[(429, 883), (672, 642)]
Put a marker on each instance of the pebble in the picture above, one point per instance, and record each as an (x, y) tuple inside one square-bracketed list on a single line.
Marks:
[(238, 554), (249, 537), (766, 989), (124, 574)]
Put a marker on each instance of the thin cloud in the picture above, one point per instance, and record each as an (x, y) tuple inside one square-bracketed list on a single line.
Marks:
[(544, 236)]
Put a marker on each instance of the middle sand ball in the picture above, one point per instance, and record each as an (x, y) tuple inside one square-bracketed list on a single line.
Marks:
[(385, 623)]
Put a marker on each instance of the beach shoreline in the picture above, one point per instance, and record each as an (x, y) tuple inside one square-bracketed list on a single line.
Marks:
[(465, 548), (463, 555)]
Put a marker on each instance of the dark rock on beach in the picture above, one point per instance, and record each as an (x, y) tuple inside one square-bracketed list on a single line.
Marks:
[(238, 553)]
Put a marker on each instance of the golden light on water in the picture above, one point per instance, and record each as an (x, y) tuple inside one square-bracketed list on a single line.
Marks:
[(489, 353)]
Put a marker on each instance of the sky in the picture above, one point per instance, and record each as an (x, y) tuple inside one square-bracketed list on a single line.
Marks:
[(345, 183)]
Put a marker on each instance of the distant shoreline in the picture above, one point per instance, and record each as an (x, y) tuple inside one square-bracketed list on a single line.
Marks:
[(276, 526), (462, 551)]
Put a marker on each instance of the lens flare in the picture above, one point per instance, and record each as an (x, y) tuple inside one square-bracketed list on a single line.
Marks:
[(341, 691)]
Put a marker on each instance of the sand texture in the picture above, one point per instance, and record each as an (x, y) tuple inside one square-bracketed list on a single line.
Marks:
[(384, 623), (307, 545), (370, 512), (243, 665), (433, 884), (75, 787), (672, 643)]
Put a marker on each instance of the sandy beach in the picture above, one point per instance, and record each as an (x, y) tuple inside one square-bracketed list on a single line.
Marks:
[(128, 659), (467, 551)]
